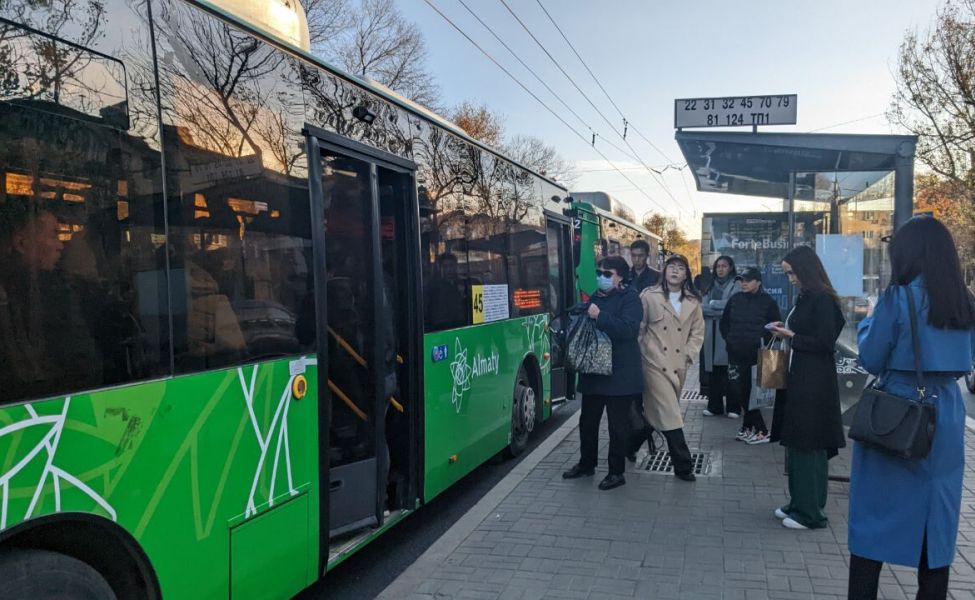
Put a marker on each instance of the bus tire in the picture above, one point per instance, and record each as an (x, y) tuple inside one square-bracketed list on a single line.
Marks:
[(524, 413), (46, 575)]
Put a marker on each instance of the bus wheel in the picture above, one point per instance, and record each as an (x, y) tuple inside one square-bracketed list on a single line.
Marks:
[(45, 575), (523, 414)]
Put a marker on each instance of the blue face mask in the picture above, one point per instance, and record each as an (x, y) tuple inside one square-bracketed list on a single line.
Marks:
[(604, 283)]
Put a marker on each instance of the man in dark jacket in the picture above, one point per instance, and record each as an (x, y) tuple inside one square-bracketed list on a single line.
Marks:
[(743, 327), (642, 275), (617, 311)]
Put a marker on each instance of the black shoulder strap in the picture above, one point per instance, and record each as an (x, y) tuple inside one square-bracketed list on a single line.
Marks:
[(915, 342)]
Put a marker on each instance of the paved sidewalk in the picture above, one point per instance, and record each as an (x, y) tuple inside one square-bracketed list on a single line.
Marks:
[(539, 536)]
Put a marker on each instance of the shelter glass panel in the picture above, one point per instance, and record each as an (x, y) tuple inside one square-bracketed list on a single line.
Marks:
[(858, 211)]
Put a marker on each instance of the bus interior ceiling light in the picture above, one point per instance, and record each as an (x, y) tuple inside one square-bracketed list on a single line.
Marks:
[(364, 114), (282, 18)]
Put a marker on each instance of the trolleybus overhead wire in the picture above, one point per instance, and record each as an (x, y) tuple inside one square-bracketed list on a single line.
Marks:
[(542, 102), (592, 104)]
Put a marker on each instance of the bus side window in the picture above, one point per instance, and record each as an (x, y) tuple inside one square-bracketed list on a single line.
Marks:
[(79, 227), (442, 160), (238, 197)]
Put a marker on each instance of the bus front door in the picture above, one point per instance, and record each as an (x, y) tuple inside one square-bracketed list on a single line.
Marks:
[(363, 299), (561, 295)]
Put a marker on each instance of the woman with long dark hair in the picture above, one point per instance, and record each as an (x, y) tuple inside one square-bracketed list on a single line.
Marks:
[(903, 511), (807, 418), (720, 290), (670, 337)]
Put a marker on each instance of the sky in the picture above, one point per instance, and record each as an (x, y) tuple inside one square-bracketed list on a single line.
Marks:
[(838, 56)]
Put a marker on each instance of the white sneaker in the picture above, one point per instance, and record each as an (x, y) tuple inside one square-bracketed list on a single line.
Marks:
[(732, 415), (744, 434), (780, 514), (758, 438), (708, 413), (792, 523)]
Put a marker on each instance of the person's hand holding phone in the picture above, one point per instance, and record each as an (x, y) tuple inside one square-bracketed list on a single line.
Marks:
[(779, 330)]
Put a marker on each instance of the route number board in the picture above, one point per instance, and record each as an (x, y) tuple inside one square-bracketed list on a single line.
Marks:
[(735, 111)]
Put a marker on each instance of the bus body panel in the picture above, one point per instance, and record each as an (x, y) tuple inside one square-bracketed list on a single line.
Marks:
[(469, 378), (216, 474), (182, 463)]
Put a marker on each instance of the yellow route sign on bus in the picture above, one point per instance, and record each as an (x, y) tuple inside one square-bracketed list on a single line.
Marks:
[(477, 303), (489, 303)]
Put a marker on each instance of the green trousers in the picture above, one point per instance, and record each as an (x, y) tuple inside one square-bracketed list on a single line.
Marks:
[(808, 472)]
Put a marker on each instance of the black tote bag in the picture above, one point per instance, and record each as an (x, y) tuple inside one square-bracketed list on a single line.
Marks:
[(901, 427)]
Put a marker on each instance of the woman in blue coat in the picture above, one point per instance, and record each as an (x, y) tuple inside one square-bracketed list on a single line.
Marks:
[(906, 511)]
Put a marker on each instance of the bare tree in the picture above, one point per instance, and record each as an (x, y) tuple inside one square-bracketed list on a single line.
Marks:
[(935, 96), (374, 40), (535, 154), (328, 20)]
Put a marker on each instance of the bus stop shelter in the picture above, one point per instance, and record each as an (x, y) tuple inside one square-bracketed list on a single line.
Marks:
[(856, 189)]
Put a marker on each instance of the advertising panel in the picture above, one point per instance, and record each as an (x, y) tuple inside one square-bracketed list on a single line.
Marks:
[(758, 240)]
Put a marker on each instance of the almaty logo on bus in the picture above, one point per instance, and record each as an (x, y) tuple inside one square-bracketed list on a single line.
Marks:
[(463, 372)]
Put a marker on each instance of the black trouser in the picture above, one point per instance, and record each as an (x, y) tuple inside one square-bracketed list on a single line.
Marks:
[(865, 578), (739, 391), (680, 454), (718, 391), (617, 409)]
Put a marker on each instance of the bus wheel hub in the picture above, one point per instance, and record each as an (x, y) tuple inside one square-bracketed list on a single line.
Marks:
[(526, 408)]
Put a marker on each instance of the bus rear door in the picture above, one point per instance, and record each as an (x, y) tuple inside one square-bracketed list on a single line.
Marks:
[(366, 338), (558, 234)]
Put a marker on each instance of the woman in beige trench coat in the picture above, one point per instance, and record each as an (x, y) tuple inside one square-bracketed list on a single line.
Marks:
[(671, 335)]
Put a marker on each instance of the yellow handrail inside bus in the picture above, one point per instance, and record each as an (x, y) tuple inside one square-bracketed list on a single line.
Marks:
[(348, 402), (348, 348)]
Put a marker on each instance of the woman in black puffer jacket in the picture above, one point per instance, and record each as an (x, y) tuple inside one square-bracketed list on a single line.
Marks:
[(743, 327)]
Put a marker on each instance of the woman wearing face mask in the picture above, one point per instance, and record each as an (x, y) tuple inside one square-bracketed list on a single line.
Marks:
[(670, 337), (723, 286), (617, 312)]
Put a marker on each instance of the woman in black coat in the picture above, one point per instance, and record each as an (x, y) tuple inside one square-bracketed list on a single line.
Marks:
[(618, 312), (808, 419)]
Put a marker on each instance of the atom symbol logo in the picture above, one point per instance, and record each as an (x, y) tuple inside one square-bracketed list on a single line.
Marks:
[(460, 370)]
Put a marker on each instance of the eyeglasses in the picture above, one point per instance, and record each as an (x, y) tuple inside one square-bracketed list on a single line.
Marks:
[(602, 273)]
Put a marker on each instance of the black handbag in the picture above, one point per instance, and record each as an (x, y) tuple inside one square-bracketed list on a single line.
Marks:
[(902, 427)]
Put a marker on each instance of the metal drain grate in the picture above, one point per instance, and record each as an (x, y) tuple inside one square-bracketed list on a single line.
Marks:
[(659, 462), (693, 395)]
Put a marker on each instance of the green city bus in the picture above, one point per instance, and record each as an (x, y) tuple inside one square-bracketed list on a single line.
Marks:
[(602, 227), (253, 310)]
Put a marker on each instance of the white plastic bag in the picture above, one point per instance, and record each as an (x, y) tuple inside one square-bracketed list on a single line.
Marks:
[(760, 397)]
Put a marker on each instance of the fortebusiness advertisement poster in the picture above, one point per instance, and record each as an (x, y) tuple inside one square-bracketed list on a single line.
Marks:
[(758, 240)]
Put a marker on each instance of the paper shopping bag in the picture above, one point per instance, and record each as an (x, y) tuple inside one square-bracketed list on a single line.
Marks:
[(773, 367)]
